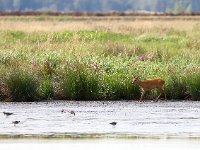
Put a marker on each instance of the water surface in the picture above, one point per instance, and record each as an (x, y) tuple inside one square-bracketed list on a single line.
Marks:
[(163, 119)]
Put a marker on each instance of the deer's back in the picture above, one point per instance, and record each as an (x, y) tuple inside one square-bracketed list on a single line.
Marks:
[(152, 84)]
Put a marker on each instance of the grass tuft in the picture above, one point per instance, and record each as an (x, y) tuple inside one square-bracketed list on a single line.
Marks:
[(80, 83), (193, 85), (22, 86), (175, 87)]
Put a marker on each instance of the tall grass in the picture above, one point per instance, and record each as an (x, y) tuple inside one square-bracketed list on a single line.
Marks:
[(46, 90), (99, 64), (22, 86), (80, 83), (176, 87), (194, 85), (118, 86)]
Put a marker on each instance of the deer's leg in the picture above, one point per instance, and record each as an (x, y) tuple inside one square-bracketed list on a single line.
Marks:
[(142, 94), (161, 92)]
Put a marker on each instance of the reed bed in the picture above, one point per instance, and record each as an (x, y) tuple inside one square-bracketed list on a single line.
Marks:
[(97, 62)]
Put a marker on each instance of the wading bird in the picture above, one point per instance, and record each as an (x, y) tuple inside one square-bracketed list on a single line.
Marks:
[(71, 112), (148, 85), (7, 113), (15, 122), (113, 123), (63, 111)]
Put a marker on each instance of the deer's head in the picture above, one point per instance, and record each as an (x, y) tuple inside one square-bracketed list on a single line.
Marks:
[(135, 80)]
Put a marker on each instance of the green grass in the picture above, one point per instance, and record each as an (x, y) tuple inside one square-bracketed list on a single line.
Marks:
[(91, 65), (194, 85), (80, 82), (22, 86), (176, 87), (46, 89)]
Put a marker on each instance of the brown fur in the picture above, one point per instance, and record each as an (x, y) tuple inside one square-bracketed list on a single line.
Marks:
[(148, 85)]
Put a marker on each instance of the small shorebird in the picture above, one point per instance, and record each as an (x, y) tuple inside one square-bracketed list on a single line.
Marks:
[(63, 111), (15, 122), (71, 112), (113, 123), (7, 113)]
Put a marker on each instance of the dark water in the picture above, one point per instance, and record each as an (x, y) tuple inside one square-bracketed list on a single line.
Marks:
[(162, 120)]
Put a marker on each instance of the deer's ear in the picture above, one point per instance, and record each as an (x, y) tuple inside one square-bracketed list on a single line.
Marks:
[(136, 77)]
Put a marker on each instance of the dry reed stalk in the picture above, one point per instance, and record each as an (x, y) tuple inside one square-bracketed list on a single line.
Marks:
[(114, 24)]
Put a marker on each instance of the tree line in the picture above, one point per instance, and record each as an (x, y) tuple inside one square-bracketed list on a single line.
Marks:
[(166, 6)]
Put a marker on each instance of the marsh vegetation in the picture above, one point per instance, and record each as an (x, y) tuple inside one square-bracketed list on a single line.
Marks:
[(90, 59)]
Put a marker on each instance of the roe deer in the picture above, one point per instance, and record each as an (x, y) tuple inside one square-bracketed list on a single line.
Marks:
[(148, 85)]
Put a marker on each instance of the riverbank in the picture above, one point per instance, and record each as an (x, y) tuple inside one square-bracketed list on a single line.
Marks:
[(140, 144), (96, 59)]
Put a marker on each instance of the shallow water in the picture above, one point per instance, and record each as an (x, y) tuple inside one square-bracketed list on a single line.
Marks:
[(164, 119)]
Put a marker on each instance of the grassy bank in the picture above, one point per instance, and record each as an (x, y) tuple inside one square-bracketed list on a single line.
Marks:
[(93, 61)]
